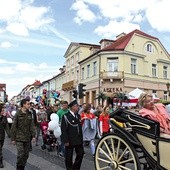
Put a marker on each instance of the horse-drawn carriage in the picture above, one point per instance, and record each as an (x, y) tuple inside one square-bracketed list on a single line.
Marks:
[(136, 146)]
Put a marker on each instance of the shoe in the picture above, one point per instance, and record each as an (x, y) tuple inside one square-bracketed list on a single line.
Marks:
[(60, 154), (1, 164), (43, 147)]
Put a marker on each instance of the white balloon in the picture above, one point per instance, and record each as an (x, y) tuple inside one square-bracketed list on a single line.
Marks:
[(57, 132), (9, 120), (13, 113), (54, 116), (53, 124)]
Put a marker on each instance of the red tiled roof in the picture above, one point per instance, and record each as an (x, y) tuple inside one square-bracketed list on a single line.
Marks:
[(36, 83), (121, 42)]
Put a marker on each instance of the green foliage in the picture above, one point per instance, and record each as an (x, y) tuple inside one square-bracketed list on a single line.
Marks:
[(101, 97)]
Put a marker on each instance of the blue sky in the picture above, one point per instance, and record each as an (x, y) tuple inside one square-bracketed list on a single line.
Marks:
[(34, 34)]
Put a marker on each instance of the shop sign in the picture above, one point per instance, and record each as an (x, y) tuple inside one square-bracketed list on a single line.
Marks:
[(111, 90)]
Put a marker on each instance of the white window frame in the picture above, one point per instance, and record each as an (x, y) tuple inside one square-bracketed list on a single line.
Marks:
[(149, 48), (112, 64), (68, 63), (88, 70), (165, 97), (165, 71), (82, 73), (95, 68), (77, 57), (154, 92), (133, 66), (154, 70), (72, 60)]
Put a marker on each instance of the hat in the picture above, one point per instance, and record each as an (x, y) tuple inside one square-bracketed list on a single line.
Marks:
[(74, 102)]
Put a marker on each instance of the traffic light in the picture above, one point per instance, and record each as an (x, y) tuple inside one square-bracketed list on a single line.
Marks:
[(75, 93), (81, 90)]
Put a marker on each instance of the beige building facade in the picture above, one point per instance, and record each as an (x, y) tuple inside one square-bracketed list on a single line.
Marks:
[(134, 60)]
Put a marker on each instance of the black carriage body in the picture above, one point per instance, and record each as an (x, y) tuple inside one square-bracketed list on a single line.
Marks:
[(144, 134)]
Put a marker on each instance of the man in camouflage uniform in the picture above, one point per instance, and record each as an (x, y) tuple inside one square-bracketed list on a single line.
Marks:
[(21, 132), (3, 127)]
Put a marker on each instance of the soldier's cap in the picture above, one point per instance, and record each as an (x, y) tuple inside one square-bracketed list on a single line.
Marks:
[(71, 104)]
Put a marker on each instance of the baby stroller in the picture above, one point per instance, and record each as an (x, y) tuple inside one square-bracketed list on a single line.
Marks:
[(49, 140)]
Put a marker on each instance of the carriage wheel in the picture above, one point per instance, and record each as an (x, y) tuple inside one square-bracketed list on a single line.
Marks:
[(116, 153)]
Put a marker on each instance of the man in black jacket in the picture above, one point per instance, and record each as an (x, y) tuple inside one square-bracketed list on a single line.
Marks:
[(71, 135)]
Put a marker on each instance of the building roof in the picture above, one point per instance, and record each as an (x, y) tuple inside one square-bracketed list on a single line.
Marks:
[(121, 42), (36, 83)]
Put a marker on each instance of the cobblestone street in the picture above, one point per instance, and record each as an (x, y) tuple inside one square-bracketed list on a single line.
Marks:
[(41, 159)]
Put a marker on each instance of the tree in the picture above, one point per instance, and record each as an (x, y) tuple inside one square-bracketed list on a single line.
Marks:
[(120, 97), (101, 97)]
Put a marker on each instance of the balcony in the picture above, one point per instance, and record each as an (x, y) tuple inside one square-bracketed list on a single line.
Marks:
[(112, 75), (69, 85)]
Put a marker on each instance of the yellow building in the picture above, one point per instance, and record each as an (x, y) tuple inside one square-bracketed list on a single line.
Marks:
[(132, 60), (75, 53)]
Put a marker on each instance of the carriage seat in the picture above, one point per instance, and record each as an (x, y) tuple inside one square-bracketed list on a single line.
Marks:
[(138, 123)]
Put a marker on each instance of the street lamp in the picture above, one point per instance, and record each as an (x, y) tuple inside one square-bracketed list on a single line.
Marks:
[(168, 87)]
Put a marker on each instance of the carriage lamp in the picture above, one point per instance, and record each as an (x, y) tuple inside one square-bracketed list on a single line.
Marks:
[(168, 87)]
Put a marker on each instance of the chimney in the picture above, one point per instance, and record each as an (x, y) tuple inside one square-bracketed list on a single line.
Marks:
[(105, 42), (120, 35)]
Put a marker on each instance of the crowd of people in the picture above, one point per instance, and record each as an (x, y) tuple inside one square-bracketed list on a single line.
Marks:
[(80, 126)]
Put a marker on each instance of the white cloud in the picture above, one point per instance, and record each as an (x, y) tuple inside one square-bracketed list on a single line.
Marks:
[(2, 30), (2, 61), (129, 14), (34, 41), (83, 13), (28, 67), (9, 9), (34, 17), (6, 45), (42, 65), (115, 28), (157, 15), (7, 70), (21, 16), (58, 34), (17, 29)]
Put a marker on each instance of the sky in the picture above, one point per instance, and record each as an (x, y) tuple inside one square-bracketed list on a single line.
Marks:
[(35, 34)]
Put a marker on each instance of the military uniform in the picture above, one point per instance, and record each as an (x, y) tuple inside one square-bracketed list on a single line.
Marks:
[(3, 127), (22, 131), (72, 133)]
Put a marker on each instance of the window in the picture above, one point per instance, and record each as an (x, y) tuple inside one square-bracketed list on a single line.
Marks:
[(72, 74), (77, 75), (133, 66), (77, 57), (149, 48), (154, 70), (112, 64), (72, 60), (165, 95), (88, 70), (82, 73), (94, 68), (68, 63), (154, 93), (165, 72)]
